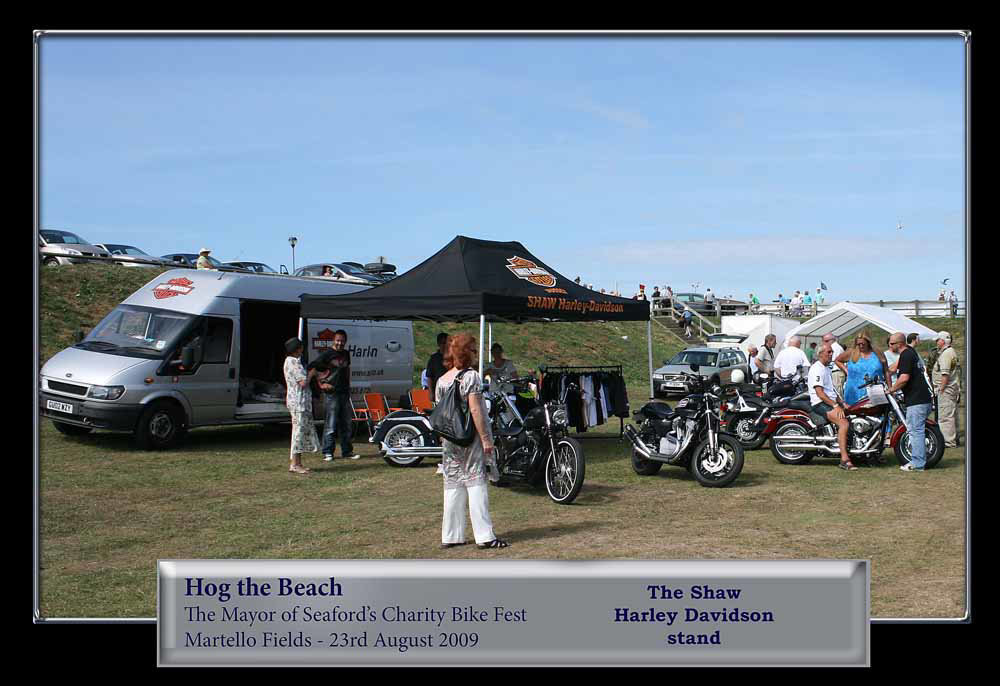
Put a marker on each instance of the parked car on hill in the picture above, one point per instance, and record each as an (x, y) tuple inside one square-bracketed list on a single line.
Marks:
[(131, 256), (190, 259), (58, 247), (339, 271), (696, 301), (380, 270), (256, 267), (716, 364)]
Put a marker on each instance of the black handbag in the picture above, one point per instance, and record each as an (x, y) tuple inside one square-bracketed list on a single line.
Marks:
[(451, 419)]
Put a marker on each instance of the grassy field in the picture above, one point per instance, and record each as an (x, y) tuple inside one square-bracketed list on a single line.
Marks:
[(108, 512)]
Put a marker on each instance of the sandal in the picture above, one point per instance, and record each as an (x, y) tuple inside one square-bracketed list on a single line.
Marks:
[(298, 469), (451, 545), (848, 466), (495, 543)]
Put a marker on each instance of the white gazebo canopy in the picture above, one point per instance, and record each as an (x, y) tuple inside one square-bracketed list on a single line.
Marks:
[(846, 318)]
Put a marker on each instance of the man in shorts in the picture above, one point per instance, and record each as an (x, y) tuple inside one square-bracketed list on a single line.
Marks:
[(825, 401)]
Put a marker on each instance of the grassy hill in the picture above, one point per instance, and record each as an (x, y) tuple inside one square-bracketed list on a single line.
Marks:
[(78, 296)]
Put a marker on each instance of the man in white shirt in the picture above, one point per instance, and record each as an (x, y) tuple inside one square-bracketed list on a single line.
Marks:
[(826, 401), (839, 377), (788, 361)]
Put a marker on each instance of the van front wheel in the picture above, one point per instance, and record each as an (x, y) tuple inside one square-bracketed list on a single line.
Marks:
[(160, 426)]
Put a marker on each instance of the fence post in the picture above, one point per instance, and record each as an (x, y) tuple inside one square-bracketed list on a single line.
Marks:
[(881, 303), (916, 308)]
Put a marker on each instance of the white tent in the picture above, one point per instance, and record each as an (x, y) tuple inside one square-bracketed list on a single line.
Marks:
[(846, 318), (756, 326)]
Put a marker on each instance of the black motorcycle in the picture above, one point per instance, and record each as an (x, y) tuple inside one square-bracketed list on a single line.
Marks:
[(531, 447), (689, 435)]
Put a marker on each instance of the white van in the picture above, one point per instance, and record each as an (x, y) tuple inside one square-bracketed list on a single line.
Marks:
[(127, 374)]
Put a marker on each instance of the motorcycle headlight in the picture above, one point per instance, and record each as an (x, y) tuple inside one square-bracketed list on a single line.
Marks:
[(105, 392), (559, 415)]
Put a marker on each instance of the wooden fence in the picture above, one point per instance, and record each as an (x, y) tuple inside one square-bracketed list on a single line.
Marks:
[(911, 308)]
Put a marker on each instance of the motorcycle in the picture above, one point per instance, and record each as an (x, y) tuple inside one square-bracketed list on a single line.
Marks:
[(799, 435), (690, 436), (747, 408), (531, 448)]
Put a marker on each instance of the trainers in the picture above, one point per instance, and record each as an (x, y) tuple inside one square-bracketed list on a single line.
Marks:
[(908, 467), (353, 457), (440, 469), (328, 458)]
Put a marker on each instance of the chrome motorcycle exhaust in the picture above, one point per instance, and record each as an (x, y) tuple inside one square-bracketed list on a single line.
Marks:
[(418, 451), (642, 448)]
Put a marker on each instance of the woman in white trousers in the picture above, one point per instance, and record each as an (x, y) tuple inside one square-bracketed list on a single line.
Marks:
[(466, 467)]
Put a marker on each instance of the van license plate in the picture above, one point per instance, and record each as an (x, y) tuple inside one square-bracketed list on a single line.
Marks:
[(59, 407)]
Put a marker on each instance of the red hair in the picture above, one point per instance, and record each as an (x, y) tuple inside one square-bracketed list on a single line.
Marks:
[(461, 351)]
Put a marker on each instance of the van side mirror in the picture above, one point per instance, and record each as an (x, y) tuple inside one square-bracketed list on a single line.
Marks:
[(187, 357)]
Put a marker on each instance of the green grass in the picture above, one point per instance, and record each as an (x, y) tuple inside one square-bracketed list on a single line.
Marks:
[(109, 512)]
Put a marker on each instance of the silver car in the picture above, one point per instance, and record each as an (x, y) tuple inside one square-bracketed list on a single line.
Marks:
[(717, 363), (131, 256), (58, 247), (339, 271)]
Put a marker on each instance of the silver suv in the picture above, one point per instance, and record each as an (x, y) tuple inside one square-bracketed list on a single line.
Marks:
[(716, 363), (58, 247)]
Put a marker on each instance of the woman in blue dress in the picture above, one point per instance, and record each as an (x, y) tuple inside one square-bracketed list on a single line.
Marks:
[(862, 359)]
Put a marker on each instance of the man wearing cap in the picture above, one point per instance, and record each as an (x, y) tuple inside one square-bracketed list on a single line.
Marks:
[(203, 262), (946, 378)]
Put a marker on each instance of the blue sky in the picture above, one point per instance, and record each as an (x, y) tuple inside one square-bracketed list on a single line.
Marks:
[(743, 164)]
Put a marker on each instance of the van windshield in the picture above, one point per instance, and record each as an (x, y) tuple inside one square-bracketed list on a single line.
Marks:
[(136, 331)]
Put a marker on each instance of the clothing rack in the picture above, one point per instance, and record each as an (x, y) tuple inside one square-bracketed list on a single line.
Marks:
[(590, 368)]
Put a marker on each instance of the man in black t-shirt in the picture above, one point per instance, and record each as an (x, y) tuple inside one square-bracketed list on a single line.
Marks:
[(435, 364), (917, 397), (335, 382)]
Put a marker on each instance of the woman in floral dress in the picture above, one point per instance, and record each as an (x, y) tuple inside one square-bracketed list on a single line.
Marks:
[(298, 399)]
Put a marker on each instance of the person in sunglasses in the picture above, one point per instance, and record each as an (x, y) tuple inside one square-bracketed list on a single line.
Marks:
[(858, 361)]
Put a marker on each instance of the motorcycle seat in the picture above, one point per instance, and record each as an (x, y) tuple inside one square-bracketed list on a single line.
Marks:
[(818, 419), (657, 410)]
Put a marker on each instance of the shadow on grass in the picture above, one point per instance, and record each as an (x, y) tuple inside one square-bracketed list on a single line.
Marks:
[(542, 532), (590, 494)]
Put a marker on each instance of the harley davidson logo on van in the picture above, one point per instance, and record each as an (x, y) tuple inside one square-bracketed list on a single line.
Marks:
[(324, 339), (178, 286), (529, 271)]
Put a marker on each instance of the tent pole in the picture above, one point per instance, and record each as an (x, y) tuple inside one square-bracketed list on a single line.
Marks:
[(482, 326), (491, 338), (649, 348)]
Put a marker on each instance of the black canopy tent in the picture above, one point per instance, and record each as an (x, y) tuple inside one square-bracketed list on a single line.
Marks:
[(490, 281)]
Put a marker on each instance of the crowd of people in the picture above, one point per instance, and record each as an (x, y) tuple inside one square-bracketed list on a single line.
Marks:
[(835, 377)]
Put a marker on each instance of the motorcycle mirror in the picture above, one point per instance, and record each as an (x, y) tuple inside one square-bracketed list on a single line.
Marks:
[(867, 378)]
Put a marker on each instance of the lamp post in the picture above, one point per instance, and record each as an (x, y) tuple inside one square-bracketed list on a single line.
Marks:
[(292, 240)]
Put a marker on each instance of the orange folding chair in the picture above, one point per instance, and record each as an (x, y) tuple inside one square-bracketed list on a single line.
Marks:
[(361, 415), (420, 400), (377, 408)]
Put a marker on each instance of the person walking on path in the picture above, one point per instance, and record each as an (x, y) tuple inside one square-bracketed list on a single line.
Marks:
[(466, 467), (947, 379), (298, 399), (916, 397), (688, 317)]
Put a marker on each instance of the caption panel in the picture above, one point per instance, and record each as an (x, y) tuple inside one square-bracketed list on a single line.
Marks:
[(512, 612)]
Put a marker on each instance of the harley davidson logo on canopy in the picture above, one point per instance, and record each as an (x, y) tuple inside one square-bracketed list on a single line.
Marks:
[(529, 271)]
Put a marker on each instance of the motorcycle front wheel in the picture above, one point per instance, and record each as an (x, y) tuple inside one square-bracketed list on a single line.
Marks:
[(744, 428), (721, 467), (933, 443), (786, 456), (564, 471)]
